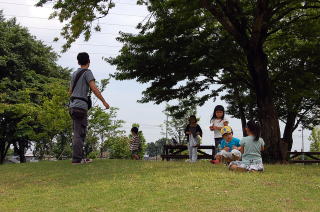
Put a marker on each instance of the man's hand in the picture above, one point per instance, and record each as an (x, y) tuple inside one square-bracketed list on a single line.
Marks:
[(106, 105), (188, 133)]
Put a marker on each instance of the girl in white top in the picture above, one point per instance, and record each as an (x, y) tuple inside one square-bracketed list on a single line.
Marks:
[(218, 121)]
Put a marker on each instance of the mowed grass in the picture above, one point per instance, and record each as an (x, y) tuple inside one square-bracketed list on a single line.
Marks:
[(124, 185)]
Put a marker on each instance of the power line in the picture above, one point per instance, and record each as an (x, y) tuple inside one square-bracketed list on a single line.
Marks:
[(24, 16), (103, 53), (85, 44), (19, 4), (33, 17), (122, 14), (143, 127), (51, 3), (57, 29), (147, 126), (127, 4), (80, 44), (144, 124)]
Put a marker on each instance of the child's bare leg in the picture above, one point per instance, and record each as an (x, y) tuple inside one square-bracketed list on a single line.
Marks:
[(237, 168), (233, 167), (136, 157), (224, 159), (234, 157), (219, 158)]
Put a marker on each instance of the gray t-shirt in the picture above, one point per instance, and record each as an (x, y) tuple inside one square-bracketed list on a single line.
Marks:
[(252, 150), (81, 89)]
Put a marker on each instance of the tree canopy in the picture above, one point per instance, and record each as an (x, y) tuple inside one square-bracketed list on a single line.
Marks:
[(177, 48), (33, 91)]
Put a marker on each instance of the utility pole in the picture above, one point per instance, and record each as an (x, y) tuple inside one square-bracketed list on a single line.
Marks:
[(167, 129), (302, 143)]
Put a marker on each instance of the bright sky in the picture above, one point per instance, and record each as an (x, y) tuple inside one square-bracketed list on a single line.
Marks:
[(121, 94)]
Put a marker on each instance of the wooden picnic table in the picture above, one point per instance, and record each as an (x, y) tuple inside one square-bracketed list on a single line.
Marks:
[(309, 157), (171, 151)]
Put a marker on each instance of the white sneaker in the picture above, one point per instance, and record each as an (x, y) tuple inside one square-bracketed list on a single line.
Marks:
[(83, 161)]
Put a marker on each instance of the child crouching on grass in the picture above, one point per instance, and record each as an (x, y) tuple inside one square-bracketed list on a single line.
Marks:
[(230, 146), (251, 147), (135, 144)]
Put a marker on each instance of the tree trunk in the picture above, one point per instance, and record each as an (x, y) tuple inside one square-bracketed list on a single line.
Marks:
[(270, 130), (257, 64), (289, 128), (2, 148), (20, 150), (287, 140), (241, 112), (101, 145), (3, 151), (243, 121)]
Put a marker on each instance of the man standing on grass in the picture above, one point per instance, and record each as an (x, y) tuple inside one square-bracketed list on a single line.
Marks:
[(82, 80)]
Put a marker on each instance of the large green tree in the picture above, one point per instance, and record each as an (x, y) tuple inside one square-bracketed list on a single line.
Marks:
[(28, 75), (294, 61), (249, 23), (52, 133), (155, 148), (118, 147), (294, 70), (181, 51), (104, 126)]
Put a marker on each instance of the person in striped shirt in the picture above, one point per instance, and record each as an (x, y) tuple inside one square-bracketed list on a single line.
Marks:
[(135, 144)]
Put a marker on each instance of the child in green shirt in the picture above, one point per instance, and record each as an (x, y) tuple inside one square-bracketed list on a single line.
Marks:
[(251, 147)]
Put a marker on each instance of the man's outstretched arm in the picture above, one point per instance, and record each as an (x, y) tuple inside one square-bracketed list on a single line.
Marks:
[(96, 92)]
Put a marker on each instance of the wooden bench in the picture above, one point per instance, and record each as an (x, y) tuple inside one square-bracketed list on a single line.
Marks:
[(173, 152), (309, 157)]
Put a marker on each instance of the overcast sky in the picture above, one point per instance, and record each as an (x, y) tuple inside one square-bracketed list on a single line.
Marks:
[(121, 94)]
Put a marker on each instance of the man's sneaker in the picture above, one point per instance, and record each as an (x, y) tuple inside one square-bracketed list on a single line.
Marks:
[(87, 160), (83, 161)]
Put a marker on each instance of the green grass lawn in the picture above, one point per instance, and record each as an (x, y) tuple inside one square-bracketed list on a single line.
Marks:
[(124, 185)]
